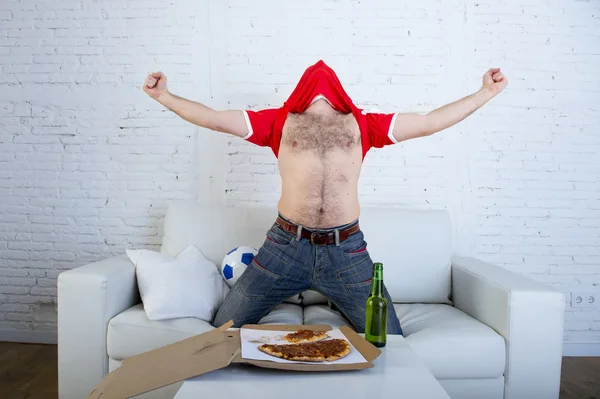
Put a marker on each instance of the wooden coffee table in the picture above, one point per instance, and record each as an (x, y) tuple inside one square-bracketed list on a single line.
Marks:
[(398, 373)]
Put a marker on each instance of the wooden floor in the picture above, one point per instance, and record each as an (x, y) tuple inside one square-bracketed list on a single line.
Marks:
[(29, 371), (580, 378)]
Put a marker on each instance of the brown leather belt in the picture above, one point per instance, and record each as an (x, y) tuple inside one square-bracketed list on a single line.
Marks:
[(317, 237)]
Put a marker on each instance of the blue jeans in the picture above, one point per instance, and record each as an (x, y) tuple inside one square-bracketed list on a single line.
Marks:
[(286, 266)]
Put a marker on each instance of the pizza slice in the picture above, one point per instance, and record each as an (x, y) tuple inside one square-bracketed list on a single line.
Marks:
[(302, 336), (320, 351)]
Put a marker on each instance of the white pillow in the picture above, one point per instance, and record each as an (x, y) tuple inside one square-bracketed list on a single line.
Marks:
[(187, 286)]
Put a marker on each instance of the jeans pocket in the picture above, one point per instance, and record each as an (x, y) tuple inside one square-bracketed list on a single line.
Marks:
[(263, 273), (278, 237), (355, 245), (257, 281), (356, 286), (357, 281), (357, 273)]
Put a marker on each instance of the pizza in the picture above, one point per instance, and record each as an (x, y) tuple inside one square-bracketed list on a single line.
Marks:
[(301, 336), (319, 351)]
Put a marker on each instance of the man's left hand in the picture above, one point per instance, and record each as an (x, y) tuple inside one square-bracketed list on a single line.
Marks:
[(494, 81)]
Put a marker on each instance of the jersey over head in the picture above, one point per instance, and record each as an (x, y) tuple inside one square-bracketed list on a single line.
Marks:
[(265, 127)]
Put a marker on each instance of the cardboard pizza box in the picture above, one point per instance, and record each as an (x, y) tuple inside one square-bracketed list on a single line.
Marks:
[(207, 352)]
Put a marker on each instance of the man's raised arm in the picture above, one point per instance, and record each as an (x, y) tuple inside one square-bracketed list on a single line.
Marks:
[(230, 121), (412, 125)]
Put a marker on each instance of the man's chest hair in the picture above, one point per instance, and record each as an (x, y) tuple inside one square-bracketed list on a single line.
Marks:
[(310, 132)]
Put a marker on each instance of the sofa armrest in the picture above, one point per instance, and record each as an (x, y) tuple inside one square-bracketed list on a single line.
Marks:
[(530, 317), (88, 297)]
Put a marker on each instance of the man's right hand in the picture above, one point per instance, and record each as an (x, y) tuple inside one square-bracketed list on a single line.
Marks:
[(155, 85), (232, 122)]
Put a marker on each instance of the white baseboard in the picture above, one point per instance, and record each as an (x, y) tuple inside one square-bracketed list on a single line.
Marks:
[(581, 349), (29, 336)]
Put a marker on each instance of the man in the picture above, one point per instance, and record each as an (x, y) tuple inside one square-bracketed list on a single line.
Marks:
[(320, 139)]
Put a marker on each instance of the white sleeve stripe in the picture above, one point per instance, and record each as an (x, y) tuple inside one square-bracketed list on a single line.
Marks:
[(391, 131), (250, 131)]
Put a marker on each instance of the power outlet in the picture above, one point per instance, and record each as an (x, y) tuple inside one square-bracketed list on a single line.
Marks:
[(584, 299), (590, 299)]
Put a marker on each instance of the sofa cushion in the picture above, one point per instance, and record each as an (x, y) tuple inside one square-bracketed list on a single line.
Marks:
[(285, 313), (310, 297), (214, 230), (322, 314), (451, 343), (415, 249), (413, 245), (131, 332)]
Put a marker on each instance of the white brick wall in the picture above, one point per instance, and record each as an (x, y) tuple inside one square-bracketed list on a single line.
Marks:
[(87, 162), (521, 177), (535, 166)]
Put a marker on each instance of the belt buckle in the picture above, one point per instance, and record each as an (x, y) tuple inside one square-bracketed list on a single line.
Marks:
[(313, 235)]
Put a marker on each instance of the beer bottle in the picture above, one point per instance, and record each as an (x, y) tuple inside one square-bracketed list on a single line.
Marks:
[(376, 318)]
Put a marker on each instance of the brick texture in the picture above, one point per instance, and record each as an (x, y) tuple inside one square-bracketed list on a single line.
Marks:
[(87, 162), (520, 177), (535, 170)]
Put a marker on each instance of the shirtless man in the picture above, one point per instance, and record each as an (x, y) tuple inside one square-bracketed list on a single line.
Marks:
[(320, 139)]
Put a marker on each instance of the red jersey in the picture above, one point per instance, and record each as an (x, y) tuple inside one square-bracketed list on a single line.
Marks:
[(265, 127)]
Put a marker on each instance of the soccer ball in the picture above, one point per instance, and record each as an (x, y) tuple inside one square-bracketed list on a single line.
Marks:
[(235, 263)]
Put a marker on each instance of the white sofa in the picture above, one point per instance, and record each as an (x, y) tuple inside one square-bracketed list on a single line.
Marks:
[(484, 332)]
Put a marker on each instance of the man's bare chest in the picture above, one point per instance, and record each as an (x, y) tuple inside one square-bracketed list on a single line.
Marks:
[(320, 133)]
